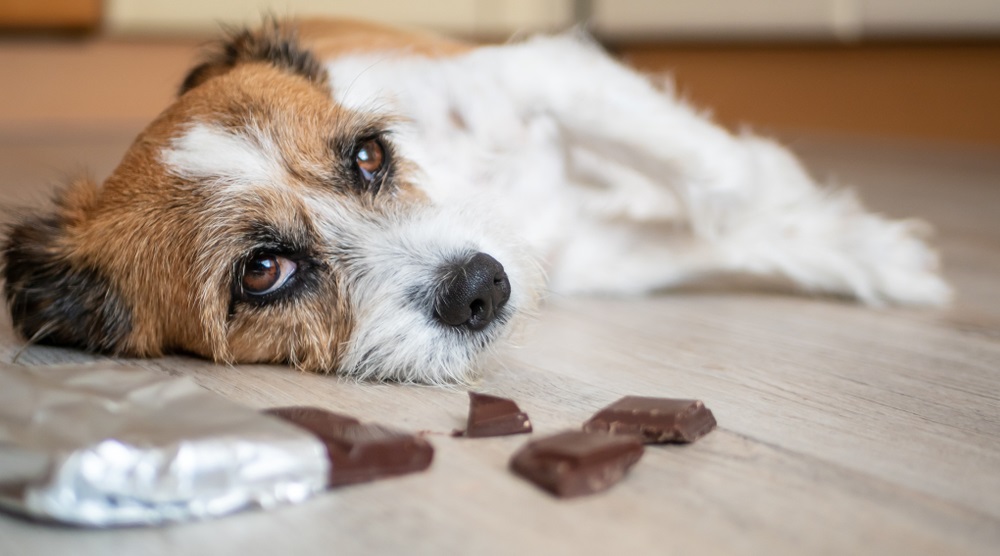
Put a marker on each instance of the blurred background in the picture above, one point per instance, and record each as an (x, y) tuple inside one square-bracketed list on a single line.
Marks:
[(911, 70)]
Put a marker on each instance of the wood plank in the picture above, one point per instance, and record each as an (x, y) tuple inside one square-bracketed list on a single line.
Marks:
[(88, 86), (50, 14), (918, 90)]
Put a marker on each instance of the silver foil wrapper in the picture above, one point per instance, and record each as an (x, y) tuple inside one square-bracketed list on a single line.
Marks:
[(103, 445)]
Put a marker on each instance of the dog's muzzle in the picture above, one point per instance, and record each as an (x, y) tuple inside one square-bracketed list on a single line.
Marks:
[(471, 294)]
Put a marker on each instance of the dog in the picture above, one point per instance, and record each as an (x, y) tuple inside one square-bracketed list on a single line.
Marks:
[(387, 204)]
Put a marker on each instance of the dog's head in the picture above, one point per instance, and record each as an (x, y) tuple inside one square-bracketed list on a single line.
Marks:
[(255, 220)]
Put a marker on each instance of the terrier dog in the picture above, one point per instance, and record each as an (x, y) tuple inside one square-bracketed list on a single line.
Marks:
[(347, 197)]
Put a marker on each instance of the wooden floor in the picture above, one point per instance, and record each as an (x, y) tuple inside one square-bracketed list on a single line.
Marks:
[(842, 429)]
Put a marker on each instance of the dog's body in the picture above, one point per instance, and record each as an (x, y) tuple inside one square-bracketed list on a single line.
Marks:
[(373, 201)]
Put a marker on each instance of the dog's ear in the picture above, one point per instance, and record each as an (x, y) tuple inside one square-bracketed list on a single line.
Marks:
[(55, 297), (274, 43)]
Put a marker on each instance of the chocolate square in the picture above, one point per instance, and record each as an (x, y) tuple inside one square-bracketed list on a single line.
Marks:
[(577, 463), (656, 420), (494, 416)]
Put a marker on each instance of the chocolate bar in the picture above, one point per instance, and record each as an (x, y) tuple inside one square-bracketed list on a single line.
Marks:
[(360, 452), (494, 416), (656, 420), (577, 463)]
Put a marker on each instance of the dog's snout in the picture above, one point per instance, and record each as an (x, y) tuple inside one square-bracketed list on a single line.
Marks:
[(472, 293)]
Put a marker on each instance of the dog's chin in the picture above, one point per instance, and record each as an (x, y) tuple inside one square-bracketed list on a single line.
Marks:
[(430, 353)]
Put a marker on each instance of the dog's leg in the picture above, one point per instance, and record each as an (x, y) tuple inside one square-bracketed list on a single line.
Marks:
[(745, 203)]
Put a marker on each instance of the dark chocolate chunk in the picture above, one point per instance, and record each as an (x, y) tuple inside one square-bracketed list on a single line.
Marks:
[(313, 418), (493, 416), (576, 463), (656, 420), (360, 452)]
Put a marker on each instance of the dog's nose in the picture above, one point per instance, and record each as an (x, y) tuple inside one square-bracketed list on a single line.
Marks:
[(472, 293)]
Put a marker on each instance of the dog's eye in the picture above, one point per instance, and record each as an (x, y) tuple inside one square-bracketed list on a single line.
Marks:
[(370, 158), (266, 273)]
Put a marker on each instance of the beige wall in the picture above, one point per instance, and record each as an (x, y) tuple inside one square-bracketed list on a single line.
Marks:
[(755, 19)]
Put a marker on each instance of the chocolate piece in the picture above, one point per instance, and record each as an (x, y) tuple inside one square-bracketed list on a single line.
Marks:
[(493, 416), (313, 418), (656, 420), (360, 452), (575, 463)]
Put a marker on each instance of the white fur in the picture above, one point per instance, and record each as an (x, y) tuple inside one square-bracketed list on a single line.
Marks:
[(392, 269), (622, 187), (235, 161)]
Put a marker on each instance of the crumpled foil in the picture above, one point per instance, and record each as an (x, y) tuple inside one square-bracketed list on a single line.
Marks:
[(103, 445)]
